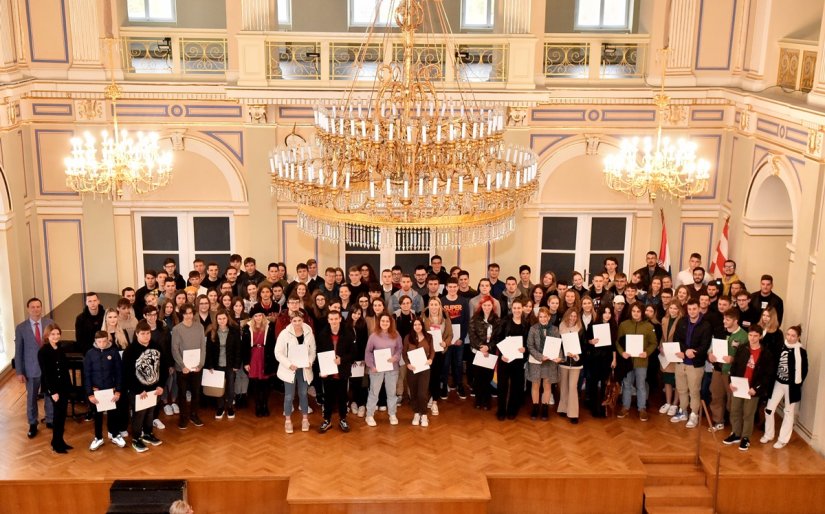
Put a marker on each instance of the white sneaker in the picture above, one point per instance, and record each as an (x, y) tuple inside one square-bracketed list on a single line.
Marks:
[(679, 417), (673, 410), (779, 445), (552, 401), (393, 420), (370, 421), (765, 439), (167, 409), (416, 419), (434, 409), (383, 408), (158, 424), (430, 403), (353, 407), (362, 411), (124, 433), (424, 421), (693, 420), (175, 408), (309, 410), (96, 443), (188, 396), (664, 408), (118, 440)]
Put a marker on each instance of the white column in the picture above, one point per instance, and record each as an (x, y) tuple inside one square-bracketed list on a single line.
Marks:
[(681, 36), (817, 94), (85, 31), (7, 51), (513, 16), (259, 15)]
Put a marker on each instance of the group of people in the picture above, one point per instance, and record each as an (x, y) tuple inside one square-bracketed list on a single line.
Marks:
[(364, 343)]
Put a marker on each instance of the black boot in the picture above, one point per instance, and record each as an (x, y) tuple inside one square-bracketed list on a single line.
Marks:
[(545, 411), (534, 414)]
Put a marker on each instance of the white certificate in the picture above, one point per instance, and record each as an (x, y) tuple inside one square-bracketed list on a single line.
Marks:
[(570, 342), (144, 403), (298, 355), (670, 350), (212, 378), (440, 289), (663, 360), (105, 400), (488, 362), (326, 361), (456, 332), (552, 347), (742, 387), (192, 358), (719, 347), (382, 359), (510, 346), (357, 369), (602, 333), (437, 339), (634, 344), (418, 360)]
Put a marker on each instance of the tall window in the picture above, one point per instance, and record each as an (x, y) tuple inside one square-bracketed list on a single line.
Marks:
[(284, 12), (477, 14), (362, 12), (184, 237), (413, 247), (604, 14), (151, 10), (581, 243)]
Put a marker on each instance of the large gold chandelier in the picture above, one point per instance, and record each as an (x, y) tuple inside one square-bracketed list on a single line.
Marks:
[(407, 161), (121, 162), (665, 167)]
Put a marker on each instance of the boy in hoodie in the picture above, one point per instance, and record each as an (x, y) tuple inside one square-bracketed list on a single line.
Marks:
[(102, 369), (143, 374)]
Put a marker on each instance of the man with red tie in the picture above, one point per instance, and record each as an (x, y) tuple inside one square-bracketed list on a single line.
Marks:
[(28, 338)]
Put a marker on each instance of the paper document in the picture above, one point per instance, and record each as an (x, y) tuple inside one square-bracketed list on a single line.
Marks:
[(418, 359), (742, 387), (192, 358), (357, 369), (663, 360), (326, 361), (602, 333), (437, 339), (144, 403), (670, 350), (552, 347), (634, 344), (382, 359), (488, 362), (510, 346), (719, 347), (298, 355), (105, 400), (212, 378), (570, 342), (456, 332)]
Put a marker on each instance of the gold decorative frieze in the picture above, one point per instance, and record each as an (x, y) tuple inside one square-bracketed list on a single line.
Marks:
[(806, 79), (89, 109)]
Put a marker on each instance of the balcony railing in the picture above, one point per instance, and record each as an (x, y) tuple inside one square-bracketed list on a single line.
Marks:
[(595, 56), (797, 62), (179, 52)]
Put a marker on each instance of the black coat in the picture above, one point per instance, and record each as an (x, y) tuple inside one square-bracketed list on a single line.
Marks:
[(345, 349), (763, 374), (85, 326), (54, 370), (700, 342), (233, 350), (102, 369)]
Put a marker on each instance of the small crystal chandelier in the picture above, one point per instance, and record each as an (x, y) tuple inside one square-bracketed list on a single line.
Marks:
[(121, 162), (406, 160), (661, 167)]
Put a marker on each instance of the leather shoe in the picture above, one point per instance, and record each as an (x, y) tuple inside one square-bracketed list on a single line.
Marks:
[(49, 425), (32, 431)]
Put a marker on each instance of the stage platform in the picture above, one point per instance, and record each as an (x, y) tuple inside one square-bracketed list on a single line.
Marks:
[(466, 461)]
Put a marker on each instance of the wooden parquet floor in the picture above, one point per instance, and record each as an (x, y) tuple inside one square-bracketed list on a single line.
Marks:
[(454, 456)]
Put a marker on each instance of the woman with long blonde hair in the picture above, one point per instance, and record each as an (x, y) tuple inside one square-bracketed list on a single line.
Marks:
[(111, 325)]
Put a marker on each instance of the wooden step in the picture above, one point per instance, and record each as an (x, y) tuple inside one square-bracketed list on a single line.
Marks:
[(679, 510), (674, 474), (677, 496), (667, 458)]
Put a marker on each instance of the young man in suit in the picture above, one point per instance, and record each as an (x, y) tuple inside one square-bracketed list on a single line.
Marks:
[(28, 339)]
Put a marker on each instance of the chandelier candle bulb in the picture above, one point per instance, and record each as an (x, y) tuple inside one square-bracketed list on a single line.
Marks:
[(489, 179), (346, 182), (406, 189), (391, 130), (421, 186), (389, 191), (438, 134), (435, 186), (409, 134), (447, 187), (461, 184), (372, 189), (376, 132), (424, 134), (475, 185)]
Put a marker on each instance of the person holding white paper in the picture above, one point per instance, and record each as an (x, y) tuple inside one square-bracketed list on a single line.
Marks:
[(637, 374), (511, 373), (790, 373), (484, 327), (458, 310), (435, 318), (143, 374), (384, 337), (102, 370), (542, 371), (336, 338), (671, 318), (419, 382), (223, 353), (258, 358), (601, 358), (358, 385), (720, 380), (297, 333), (188, 335), (755, 363), (694, 334), (570, 368)]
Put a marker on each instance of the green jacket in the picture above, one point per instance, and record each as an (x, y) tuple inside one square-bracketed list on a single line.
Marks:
[(735, 340), (643, 328)]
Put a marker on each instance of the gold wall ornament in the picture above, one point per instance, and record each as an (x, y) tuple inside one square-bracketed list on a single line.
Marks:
[(517, 116), (257, 114), (592, 144), (89, 109), (404, 159), (815, 140)]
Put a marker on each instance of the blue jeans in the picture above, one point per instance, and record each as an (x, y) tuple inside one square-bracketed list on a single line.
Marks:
[(289, 393), (32, 388), (453, 365), (640, 376), (389, 380)]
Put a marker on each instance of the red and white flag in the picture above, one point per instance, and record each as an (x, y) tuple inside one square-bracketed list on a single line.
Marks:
[(718, 264), (664, 247)]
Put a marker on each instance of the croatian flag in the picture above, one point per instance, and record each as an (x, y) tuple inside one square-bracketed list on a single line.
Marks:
[(718, 264), (664, 247)]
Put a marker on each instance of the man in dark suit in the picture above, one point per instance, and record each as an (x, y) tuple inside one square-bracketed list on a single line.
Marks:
[(28, 338)]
